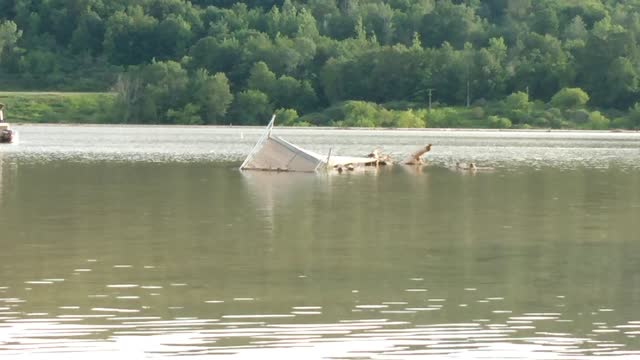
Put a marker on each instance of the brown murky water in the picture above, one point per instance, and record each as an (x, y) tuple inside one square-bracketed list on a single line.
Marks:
[(147, 242)]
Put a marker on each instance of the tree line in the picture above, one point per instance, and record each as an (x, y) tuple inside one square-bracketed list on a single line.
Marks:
[(339, 62)]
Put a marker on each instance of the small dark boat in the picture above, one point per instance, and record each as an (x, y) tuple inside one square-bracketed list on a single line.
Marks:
[(6, 134)]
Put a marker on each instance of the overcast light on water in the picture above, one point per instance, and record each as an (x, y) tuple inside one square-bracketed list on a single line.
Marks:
[(148, 242), (566, 149)]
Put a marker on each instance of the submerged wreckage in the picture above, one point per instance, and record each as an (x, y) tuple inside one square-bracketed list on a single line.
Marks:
[(273, 153)]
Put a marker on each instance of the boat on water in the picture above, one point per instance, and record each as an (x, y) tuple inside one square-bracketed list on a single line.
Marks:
[(6, 134), (273, 153)]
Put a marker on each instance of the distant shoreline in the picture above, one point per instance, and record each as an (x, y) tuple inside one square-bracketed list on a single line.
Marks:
[(319, 128), (101, 109)]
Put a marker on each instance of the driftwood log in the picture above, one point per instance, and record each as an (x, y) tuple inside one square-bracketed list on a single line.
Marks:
[(374, 154), (416, 157), (379, 159)]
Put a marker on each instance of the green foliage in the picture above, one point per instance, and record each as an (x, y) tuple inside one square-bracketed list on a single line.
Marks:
[(454, 23), (366, 114), (441, 118), (90, 27), (212, 94), (164, 87), (580, 116), (360, 114), (129, 37), (597, 121), (517, 108), (284, 91), (216, 55), (59, 107), (9, 35), (163, 57), (634, 116), (316, 119), (621, 123), (570, 98), (408, 119), (518, 101), (251, 107), (261, 78), (497, 122), (148, 93), (289, 117), (550, 118), (188, 115)]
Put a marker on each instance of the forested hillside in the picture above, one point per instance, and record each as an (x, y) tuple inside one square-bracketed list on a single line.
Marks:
[(545, 63)]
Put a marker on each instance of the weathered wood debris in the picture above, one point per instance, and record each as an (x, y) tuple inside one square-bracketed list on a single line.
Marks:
[(416, 157)]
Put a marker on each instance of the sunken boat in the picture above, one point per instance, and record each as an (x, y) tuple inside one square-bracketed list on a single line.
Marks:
[(273, 153)]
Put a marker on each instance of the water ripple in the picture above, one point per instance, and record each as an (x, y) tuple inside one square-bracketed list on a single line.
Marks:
[(503, 149)]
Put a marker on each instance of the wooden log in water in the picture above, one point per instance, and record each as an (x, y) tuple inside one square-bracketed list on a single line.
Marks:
[(378, 158), (416, 157)]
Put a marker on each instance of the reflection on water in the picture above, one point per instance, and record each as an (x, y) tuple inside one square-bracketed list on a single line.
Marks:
[(1, 177), (155, 258), (267, 187)]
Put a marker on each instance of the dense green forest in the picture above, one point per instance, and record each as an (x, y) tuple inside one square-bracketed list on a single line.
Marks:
[(496, 63)]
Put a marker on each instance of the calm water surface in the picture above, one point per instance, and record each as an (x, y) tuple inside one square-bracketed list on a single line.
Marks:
[(147, 242)]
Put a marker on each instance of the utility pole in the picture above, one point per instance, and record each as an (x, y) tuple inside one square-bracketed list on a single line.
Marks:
[(468, 95), (430, 91)]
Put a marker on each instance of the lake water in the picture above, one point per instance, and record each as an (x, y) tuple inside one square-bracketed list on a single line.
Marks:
[(148, 242)]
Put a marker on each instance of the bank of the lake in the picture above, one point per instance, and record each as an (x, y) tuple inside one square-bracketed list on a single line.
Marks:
[(512, 113), (59, 107)]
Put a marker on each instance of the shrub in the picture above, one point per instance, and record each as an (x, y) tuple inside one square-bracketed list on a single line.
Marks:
[(478, 113), (360, 114), (407, 119), (443, 118), (579, 116), (634, 116), (597, 121), (517, 101), (541, 121), (621, 123), (570, 98), (318, 119), (286, 117), (497, 122), (185, 116)]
